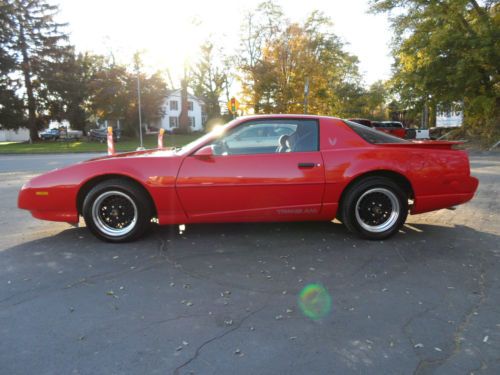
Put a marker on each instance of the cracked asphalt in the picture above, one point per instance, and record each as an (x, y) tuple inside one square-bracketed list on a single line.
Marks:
[(222, 299)]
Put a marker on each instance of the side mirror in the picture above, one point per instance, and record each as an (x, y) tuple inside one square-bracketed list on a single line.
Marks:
[(205, 152)]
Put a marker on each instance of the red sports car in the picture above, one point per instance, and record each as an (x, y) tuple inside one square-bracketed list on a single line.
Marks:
[(259, 168)]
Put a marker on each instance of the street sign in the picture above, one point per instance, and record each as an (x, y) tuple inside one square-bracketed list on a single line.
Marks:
[(450, 116), (233, 105)]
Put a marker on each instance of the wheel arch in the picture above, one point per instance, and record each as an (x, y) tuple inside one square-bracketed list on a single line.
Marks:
[(398, 178), (89, 184)]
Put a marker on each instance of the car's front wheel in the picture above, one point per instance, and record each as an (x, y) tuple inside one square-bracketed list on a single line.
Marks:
[(375, 208), (117, 211)]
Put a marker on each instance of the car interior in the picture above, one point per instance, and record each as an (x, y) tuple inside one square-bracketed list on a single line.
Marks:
[(269, 137)]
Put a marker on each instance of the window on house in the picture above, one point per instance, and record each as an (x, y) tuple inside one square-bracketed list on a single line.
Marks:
[(173, 121), (192, 122), (174, 105), (190, 105)]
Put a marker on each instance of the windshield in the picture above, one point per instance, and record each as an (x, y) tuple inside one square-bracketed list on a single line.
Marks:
[(216, 132)]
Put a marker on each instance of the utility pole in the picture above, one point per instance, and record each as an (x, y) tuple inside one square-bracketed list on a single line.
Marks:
[(306, 94), (137, 67)]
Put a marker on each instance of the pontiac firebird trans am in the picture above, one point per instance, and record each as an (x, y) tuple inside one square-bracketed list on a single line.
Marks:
[(259, 168)]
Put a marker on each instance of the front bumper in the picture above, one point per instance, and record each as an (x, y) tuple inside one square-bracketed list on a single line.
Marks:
[(54, 204)]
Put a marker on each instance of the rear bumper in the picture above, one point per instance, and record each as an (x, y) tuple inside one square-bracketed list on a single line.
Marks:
[(428, 203)]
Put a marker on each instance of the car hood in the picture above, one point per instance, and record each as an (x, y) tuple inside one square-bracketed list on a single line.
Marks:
[(166, 152)]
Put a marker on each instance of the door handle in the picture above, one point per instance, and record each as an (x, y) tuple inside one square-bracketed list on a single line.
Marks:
[(307, 165)]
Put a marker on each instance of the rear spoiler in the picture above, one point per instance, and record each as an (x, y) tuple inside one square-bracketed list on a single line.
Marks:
[(442, 145)]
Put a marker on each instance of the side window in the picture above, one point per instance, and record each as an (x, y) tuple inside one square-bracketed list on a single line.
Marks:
[(269, 136)]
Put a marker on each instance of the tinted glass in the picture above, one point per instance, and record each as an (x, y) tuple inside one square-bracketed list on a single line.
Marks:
[(269, 136), (361, 121), (393, 124), (372, 135)]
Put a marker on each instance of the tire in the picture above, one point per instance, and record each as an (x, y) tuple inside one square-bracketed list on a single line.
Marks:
[(126, 220), (375, 208)]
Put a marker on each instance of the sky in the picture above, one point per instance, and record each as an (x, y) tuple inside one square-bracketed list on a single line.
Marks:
[(169, 32)]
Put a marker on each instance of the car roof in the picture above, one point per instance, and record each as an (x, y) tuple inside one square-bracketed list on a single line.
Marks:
[(285, 116)]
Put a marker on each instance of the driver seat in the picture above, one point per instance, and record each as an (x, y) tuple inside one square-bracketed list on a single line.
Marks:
[(284, 144)]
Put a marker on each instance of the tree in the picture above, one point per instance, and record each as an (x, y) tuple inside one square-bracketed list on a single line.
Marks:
[(36, 42), (258, 28), (376, 97), (153, 93), (209, 79), (283, 62), (72, 86), (448, 51), (11, 107), (111, 92), (113, 95)]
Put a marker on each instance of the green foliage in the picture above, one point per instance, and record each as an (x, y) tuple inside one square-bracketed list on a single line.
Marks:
[(11, 107), (42, 78), (71, 85), (447, 51), (209, 78), (33, 42), (113, 95), (279, 58)]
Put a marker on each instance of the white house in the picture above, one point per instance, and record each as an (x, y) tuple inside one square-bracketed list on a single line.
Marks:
[(14, 135), (172, 109)]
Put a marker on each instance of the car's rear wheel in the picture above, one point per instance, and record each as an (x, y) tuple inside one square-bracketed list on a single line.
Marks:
[(375, 208), (117, 211)]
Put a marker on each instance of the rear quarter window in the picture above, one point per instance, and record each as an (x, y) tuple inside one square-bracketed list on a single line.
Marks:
[(373, 136)]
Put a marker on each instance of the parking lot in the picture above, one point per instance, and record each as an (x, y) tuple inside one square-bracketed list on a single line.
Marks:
[(222, 299)]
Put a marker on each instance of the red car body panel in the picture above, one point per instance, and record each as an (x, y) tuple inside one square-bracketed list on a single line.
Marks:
[(190, 188)]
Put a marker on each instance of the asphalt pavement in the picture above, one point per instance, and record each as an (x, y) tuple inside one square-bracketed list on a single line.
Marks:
[(287, 298)]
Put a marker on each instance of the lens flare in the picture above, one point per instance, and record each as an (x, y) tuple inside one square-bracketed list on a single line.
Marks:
[(314, 301)]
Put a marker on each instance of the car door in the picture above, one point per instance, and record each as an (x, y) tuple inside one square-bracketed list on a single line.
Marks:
[(249, 177)]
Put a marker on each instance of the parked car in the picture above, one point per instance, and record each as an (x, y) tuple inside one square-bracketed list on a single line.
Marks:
[(50, 135), (72, 134), (362, 121), (395, 128), (101, 135), (327, 168)]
